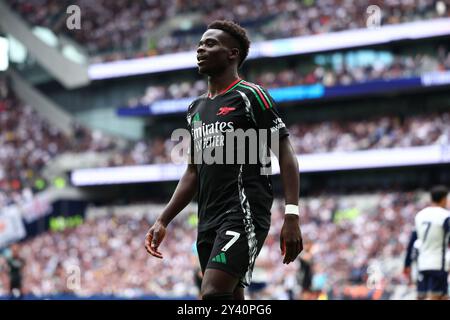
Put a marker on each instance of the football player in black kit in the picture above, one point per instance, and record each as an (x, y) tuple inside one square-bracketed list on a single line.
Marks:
[(234, 199), (15, 263)]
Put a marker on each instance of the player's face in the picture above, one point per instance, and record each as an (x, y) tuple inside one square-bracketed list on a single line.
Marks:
[(213, 53), (15, 249)]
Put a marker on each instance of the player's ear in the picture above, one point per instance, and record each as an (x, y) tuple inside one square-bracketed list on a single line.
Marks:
[(234, 53)]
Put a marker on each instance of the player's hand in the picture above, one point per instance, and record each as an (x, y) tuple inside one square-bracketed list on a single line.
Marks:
[(291, 243), (153, 239)]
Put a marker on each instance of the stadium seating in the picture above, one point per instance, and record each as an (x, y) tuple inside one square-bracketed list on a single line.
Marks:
[(122, 29), (349, 234)]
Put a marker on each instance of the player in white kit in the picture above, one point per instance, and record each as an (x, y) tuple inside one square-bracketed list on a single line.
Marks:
[(432, 232)]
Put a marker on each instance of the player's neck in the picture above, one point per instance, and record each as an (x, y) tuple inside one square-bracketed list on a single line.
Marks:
[(218, 83), (437, 205)]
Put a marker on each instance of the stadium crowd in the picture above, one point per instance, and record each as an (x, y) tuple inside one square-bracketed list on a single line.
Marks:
[(310, 73), (347, 235), (380, 133), (285, 19), (108, 253), (28, 143), (327, 136), (115, 30)]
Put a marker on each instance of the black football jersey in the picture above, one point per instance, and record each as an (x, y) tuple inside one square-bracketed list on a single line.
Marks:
[(232, 185)]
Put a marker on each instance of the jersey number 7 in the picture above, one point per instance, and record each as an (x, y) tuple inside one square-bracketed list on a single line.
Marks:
[(427, 228), (232, 241)]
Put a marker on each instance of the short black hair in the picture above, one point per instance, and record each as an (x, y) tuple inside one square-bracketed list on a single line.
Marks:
[(237, 32), (438, 193)]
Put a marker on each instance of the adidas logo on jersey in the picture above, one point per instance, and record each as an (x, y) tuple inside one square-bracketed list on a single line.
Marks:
[(220, 258)]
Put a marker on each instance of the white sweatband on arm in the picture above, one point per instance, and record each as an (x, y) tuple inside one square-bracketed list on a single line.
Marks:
[(291, 209)]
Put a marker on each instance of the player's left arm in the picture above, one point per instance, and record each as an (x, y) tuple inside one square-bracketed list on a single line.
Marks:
[(408, 256), (267, 117), (290, 238)]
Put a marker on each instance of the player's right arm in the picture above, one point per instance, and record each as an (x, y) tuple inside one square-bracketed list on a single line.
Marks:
[(183, 194)]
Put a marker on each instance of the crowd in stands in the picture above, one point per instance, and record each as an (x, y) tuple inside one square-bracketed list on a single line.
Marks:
[(381, 133), (106, 26), (122, 29), (328, 136), (287, 19), (28, 143), (310, 73), (346, 236), (109, 255)]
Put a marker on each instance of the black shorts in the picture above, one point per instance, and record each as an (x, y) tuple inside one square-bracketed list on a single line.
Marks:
[(233, 248), (432, 282), (15, 283)]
